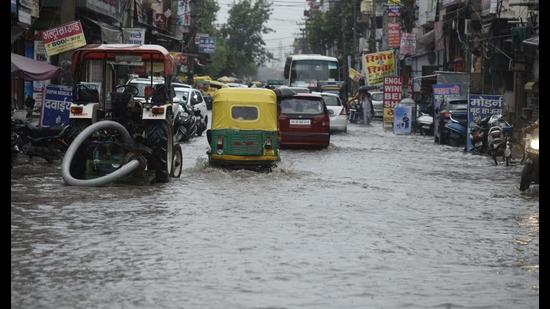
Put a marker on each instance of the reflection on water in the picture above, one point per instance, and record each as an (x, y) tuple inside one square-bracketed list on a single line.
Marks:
[(375, 220)]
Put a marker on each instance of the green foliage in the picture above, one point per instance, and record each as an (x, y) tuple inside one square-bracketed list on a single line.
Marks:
[(243, 36), (332, 29), (204, 22)]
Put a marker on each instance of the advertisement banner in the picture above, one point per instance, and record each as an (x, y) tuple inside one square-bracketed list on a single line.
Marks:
[(377, 66), (402, 121), (479, 107), (133, 36), (64, 38), (392, 96), (57, 101), (440, 91), (394, 32), (408, 44), (354, 75)]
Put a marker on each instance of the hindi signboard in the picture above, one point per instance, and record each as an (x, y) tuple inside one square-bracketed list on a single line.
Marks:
[(394, 32), (377, 66), (392, 96), (57, 101), (133, 36), (479, 107), (63, 38), (440, 91), (408, 44), (394, 11)]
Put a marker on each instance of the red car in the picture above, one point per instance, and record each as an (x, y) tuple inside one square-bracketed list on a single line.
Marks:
[(304, 121)]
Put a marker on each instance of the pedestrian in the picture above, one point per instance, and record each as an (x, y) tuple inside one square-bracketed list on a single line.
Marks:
[(29, 103), (367, 108)]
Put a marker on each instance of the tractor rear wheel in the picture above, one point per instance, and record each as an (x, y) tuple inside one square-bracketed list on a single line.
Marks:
[(160, 142)]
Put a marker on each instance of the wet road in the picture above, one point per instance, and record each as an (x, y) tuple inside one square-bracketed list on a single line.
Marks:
[(374, 221)]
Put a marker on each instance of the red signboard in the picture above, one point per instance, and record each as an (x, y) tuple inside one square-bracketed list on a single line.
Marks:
[(394, 37), (392, 96)]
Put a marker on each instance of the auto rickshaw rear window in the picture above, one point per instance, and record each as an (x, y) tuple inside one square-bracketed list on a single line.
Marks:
[(244, 113)]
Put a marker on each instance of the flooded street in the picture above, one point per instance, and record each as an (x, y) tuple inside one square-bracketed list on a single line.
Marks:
[(374, 221)]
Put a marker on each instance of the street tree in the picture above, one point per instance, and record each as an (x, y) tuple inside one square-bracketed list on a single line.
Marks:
[(245, 48)]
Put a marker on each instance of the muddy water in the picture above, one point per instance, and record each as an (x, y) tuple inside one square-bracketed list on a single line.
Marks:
[(374, 221)]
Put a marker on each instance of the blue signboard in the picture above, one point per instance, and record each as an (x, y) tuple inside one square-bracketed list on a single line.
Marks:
[(440, 91), (57, 101), (402, 121), (207, 44), (479, 107)]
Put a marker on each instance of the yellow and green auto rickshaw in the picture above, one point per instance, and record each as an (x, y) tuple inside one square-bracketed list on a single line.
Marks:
[(244, 131)]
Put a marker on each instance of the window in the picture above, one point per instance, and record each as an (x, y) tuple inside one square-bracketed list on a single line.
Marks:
[(244, 112), (302, 106), (378, 96), (331, 101), (198, 98)]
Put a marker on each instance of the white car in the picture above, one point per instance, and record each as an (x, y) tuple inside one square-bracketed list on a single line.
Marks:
[(336, 110), (377, 98), (194, 97)]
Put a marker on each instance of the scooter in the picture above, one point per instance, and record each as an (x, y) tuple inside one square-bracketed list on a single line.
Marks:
[(498, 143), (47, 142), (425, 123), (530, 170), (456, 132), (478, 135), (355, 111)]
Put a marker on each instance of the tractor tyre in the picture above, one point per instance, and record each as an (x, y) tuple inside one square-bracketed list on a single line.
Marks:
[(161, 159), (177, 162)]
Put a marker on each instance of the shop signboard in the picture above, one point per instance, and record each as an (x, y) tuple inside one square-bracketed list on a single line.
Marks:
[(479, 107), (408, 44), (63, 38), (392, 96), (207, 44), (377, 66), (133, 36), (366, 6), (402, 122), (394, 38), (394, 11), (440, 92), (55, 110)]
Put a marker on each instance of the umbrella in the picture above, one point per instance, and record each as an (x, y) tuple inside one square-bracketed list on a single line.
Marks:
[(30, 70)]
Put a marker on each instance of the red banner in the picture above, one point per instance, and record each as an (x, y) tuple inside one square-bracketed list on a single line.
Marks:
[(394, 35)]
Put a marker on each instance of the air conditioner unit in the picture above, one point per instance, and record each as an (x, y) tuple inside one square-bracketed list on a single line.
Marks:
[(468, 27)]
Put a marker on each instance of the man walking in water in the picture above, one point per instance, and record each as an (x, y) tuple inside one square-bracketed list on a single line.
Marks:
[(367, 108)]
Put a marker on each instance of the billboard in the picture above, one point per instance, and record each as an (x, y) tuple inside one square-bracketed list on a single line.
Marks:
[(63, 38), (394, 35), (377, 66), (392, 96), (133, 36), (408, 44), (402, 121)]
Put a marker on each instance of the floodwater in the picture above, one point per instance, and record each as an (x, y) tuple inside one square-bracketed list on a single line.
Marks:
[(374, 221)]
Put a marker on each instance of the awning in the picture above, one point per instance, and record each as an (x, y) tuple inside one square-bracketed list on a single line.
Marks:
[(31, 70), (109, 34), (534, 40)]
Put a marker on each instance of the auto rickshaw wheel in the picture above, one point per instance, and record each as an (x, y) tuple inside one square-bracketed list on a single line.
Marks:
[(161, 159)]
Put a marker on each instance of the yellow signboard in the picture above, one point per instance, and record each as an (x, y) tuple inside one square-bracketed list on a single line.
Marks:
[(394, 2), (64, 38), (377, 66), (356, 76)]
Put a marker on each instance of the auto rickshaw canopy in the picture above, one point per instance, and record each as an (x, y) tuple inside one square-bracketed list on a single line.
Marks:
[(264, 100), (155, 53)]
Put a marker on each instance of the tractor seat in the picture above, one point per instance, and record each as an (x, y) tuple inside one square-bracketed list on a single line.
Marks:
[(119, 104)]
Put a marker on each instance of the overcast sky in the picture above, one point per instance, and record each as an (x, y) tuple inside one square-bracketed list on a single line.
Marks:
[(284, 18)]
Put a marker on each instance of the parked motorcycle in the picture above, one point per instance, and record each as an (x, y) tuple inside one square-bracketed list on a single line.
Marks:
[(47, 143), (456, 131), (498, 139), (530, 170), (478, 135), (187, 123)]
